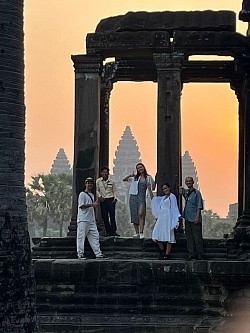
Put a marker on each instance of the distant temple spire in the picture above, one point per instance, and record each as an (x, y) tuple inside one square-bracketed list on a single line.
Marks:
[(189, 169), (127, 155), (61, 163)]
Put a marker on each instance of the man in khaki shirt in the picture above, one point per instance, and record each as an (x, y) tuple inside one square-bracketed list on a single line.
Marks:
[(106, 194)]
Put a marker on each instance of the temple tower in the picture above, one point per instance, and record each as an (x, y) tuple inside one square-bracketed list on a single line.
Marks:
[(127, 156), (61, 163), (189, 169)]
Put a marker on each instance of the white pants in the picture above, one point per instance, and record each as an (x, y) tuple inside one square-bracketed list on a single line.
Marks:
[(89, 230)]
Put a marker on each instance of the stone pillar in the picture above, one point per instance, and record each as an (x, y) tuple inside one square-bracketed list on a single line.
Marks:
[(244, 14), (236, 85), (243, 223), (168, 120), (106, 87), (87, 125)]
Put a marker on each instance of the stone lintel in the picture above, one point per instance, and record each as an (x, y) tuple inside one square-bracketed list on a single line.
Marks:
[(192, 71), (170, 20), (210, 42), (132, 44), (168, 61), (135, 70), (207, 71), (87, 63), (145, 44)]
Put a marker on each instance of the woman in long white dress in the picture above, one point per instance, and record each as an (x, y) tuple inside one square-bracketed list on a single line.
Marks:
[(167, 214)]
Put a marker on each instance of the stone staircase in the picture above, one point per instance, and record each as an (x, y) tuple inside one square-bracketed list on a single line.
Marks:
[(128, 248), (133, 291)]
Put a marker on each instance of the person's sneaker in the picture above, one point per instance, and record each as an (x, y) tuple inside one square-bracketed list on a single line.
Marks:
[(142, 235), (166, 257), (102, 256), (82, 257), (136, 235)]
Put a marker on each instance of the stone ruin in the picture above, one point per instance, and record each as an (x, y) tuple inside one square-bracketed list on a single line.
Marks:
[(134, 292)]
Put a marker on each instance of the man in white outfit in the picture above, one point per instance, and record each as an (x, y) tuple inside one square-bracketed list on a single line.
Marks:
[(86, 225)]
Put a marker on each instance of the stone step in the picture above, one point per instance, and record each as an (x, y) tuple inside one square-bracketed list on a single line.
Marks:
[(123, 248), (105, 293), (85, 300), (125, 309), (99, 323)]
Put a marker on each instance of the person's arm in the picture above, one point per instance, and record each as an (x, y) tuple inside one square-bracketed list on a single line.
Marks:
[(98, 194), (114, 192), (83, 204), (175, 211), (89, 205), (198, 216), (153, 183), (125, 179), (150, 191), (199, 207)]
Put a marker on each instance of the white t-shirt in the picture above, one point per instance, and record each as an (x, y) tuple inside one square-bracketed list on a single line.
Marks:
[(85, 214)]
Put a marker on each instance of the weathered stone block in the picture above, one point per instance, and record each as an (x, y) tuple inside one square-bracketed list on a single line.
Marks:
[(167, 20)]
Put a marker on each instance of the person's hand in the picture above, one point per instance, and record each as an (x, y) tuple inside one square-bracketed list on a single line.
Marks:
[(149, 186), (181, 189), (95, 204), (196, 222), (132, 174), (100, 199), (177, 226), (114, 201)]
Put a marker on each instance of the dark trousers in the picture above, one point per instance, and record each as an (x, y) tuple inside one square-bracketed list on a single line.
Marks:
[(194, 238), (108, 215)]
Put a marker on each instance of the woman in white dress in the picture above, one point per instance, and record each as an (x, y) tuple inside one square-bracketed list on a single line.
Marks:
[(167, 214)]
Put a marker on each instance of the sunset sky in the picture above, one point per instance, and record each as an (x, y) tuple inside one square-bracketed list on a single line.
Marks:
[(56, 29)]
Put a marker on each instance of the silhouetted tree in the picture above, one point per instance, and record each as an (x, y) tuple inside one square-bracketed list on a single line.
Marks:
[(49, 198), (214, 226), (17, 305)]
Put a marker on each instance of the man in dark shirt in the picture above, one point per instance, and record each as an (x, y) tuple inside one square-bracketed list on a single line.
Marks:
[(193, 219)]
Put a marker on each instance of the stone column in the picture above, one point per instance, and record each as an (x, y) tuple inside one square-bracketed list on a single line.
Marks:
[(106, 87), (244, 14), (168, 120), (243, 223), (236, 85), (87, 125)]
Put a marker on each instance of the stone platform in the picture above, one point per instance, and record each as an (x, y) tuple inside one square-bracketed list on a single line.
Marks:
[(134, 292), (130, 248)]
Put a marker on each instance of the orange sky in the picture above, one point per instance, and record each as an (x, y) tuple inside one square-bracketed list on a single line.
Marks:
[(56, 29)]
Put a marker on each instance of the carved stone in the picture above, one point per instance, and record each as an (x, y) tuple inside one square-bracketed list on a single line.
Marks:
[(169, 21), (244, 14), (106, 88), (146, 294), (210, 42), (87, 125), (127, 44), (168, 120), (146, 47)]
